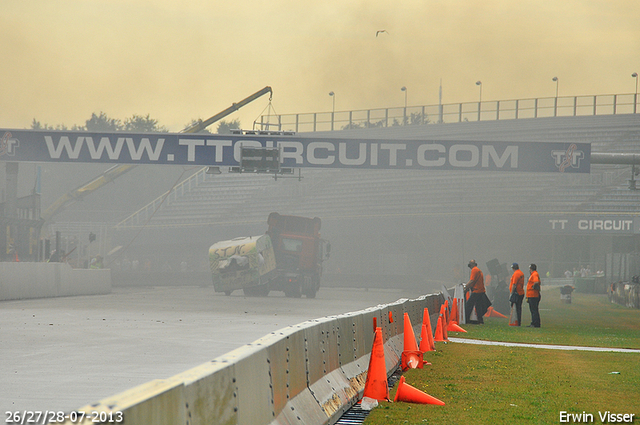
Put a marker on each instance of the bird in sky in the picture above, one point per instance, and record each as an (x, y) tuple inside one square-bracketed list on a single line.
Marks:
[(381, 31)]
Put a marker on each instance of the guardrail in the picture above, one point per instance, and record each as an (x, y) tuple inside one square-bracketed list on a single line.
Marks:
[(142, 215), (562, 106), (307, 374)]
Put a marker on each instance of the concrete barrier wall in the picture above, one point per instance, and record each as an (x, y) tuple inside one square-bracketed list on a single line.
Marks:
[(45, 280), (307, 374)]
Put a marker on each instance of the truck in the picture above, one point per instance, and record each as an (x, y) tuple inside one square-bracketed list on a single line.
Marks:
[(288, 258)]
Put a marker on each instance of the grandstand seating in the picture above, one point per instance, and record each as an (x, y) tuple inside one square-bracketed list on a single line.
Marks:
[(333, 193)]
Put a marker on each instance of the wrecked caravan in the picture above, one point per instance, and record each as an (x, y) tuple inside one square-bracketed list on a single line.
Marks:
[(287, 258), (243, 263)]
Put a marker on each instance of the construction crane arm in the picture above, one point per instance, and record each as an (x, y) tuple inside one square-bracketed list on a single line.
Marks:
[(201, 125)]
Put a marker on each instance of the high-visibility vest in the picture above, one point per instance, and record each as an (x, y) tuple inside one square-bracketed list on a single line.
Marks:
[(533, 279), (517, 280), (478, 278)]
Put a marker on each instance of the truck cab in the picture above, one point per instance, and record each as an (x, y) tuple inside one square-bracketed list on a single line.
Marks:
[(299, 252)]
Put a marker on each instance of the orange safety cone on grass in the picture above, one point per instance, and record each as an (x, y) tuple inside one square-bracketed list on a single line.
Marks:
[(454, 311), (454, 327), (439, 334), (426, 335), (426, 340), (376, 386), (410, 343), (410, 394), (453, 324), (491, 312), (411, 357), (443, 309)]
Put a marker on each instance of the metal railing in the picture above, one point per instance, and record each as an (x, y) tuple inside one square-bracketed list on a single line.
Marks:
[(141, 216), (563, 106)]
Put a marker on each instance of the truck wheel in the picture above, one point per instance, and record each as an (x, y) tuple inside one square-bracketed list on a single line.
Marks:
[(312, 284), (293, 292), (262, 291), (227, 293)]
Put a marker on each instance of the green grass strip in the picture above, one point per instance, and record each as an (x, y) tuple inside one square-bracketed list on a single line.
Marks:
[(590, 320), (513, 385)]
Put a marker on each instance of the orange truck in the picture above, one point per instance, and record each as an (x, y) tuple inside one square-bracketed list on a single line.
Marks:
[(287, 258)]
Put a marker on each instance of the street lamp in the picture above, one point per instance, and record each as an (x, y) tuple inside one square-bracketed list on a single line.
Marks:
[(404, 89), (333, 110), (555, 102), (479, 83), (635, 96)]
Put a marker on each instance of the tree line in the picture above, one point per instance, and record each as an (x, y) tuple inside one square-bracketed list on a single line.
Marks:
[(136, 124)]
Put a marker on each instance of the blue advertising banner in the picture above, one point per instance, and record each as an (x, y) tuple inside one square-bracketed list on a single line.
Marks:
[(296, 151)]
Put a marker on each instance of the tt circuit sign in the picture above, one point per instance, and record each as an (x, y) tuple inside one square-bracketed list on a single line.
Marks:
[(295, 151), (589, 224)]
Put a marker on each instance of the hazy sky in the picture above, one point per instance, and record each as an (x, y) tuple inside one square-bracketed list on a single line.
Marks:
[(64, 59)]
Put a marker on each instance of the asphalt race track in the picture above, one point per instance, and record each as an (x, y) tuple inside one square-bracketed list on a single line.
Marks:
[(64, 353)]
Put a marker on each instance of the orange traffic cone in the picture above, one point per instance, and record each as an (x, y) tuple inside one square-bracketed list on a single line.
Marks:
[(454, 311), (426, 336), (375, 386), (453, 324), (454, 327), (411, 357), (498, 314), (410, 394), (443, 309), (491, 312), (426, 342), (410, 343), (439, 335)]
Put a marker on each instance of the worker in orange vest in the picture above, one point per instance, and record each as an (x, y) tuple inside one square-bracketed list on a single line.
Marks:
[(533, 296), (478, 297), (516, 288)]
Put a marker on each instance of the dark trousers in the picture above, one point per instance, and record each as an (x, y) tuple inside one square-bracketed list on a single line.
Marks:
[(535, 314), (518, 304), (480, 302)]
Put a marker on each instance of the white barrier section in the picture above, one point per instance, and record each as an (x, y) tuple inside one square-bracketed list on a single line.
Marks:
[(212, 394), (307, 374), (46, 280), (159, 402)]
